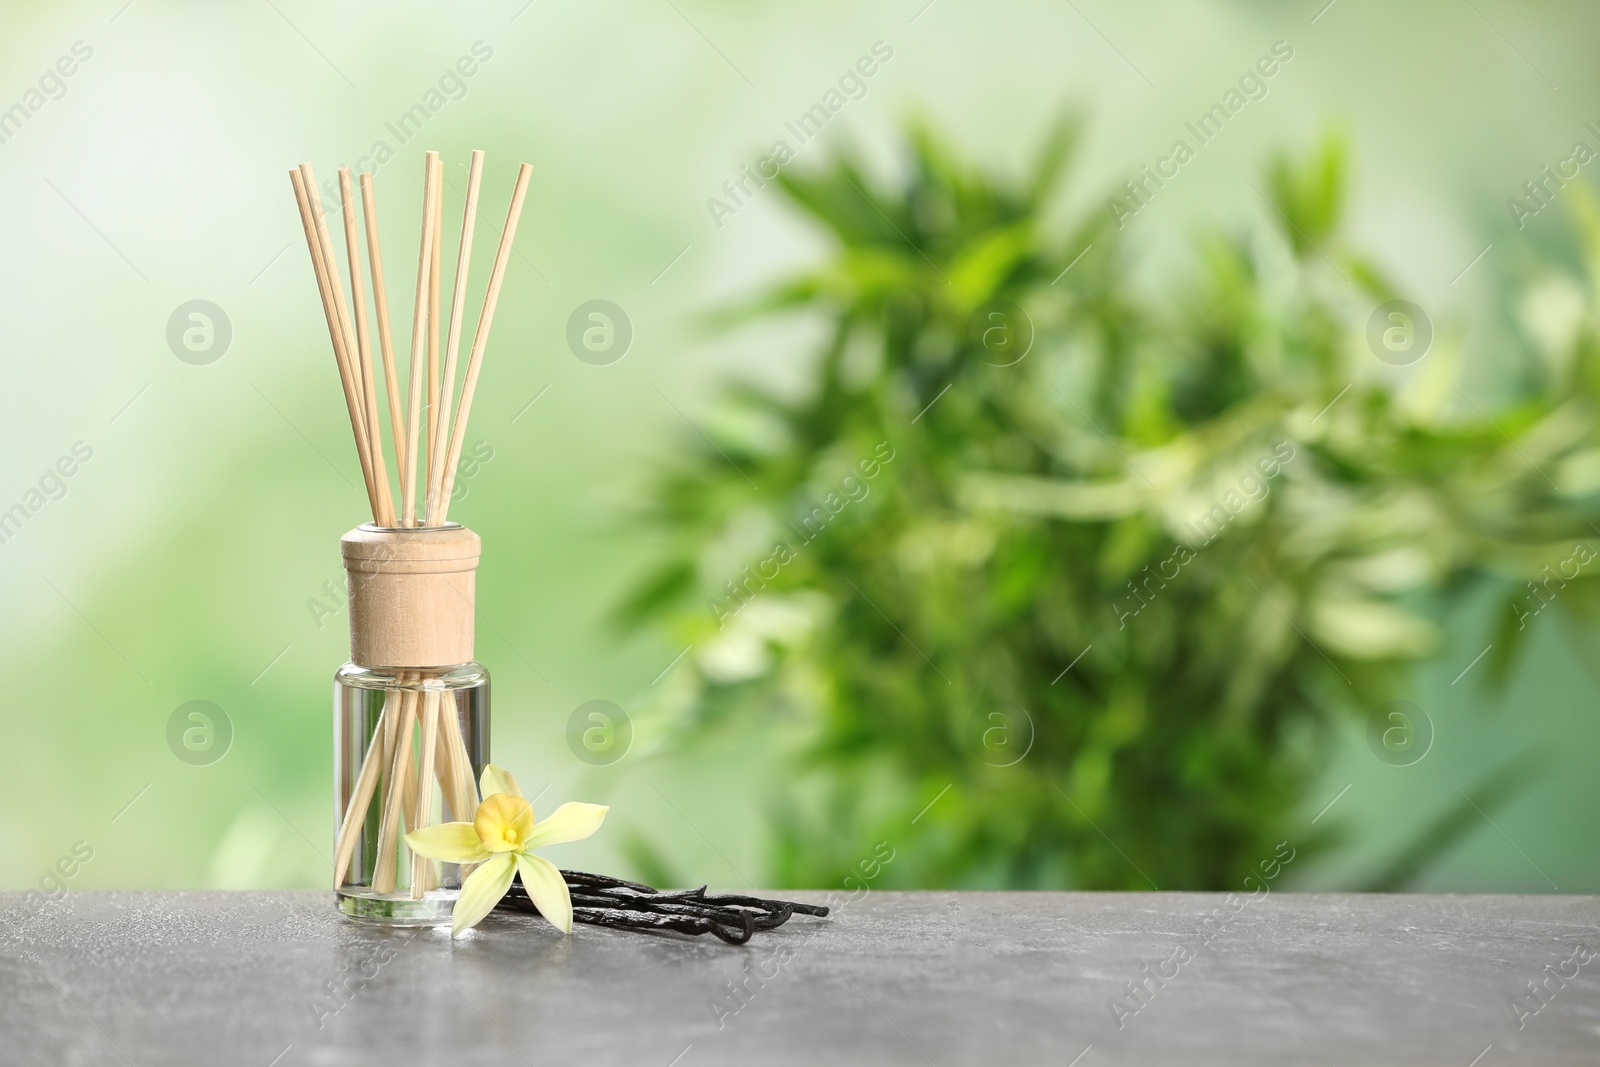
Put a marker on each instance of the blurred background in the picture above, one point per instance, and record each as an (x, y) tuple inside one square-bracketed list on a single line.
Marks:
[(1155, 530)]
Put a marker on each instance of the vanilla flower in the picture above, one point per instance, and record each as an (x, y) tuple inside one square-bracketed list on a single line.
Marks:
[(501, 838)]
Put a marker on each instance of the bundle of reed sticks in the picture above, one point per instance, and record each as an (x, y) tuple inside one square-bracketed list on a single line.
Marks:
[(423, 432)]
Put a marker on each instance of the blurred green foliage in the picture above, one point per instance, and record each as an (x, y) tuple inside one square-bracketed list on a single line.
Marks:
[(1209, 497)]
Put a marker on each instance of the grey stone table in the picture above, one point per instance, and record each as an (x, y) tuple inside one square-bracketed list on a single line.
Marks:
[(1084, 979)]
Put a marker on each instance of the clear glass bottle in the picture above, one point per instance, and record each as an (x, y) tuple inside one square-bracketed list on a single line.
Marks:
[(411, 738), (446, 708)]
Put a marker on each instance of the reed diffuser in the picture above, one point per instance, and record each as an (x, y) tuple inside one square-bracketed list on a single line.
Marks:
[(411, 708)]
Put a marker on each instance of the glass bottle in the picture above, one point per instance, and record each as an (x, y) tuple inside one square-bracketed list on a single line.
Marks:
[(411, 719)]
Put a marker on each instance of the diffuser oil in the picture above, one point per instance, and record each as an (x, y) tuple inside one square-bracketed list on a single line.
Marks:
[(411, 708)]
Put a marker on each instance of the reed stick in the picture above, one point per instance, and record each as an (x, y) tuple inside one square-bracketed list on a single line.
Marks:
[(421, 866), (480, 339), (434, 273), (426, 255), (435, 502), (346, 331), (465, 797), (408, 780), (391, 728), (383, 877), (444, 765), (380, 298), (369, 393), (366, 783), (386, 739), (320, 267)]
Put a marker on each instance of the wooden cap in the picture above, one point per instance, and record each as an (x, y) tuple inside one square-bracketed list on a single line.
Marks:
[(411, 594)]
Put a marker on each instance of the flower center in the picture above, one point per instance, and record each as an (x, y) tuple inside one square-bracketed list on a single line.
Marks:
[(509, 836)]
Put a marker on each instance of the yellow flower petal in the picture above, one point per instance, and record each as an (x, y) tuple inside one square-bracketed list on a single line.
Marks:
[(547, 889), (570, 822), (503, 823), (452, 842), (497, 779), (481, 892)]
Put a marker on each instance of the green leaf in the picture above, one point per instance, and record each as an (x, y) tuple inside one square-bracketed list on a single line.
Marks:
[(1309, 195)]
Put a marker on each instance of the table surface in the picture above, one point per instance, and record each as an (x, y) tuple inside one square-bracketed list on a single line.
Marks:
[(932, 978)]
